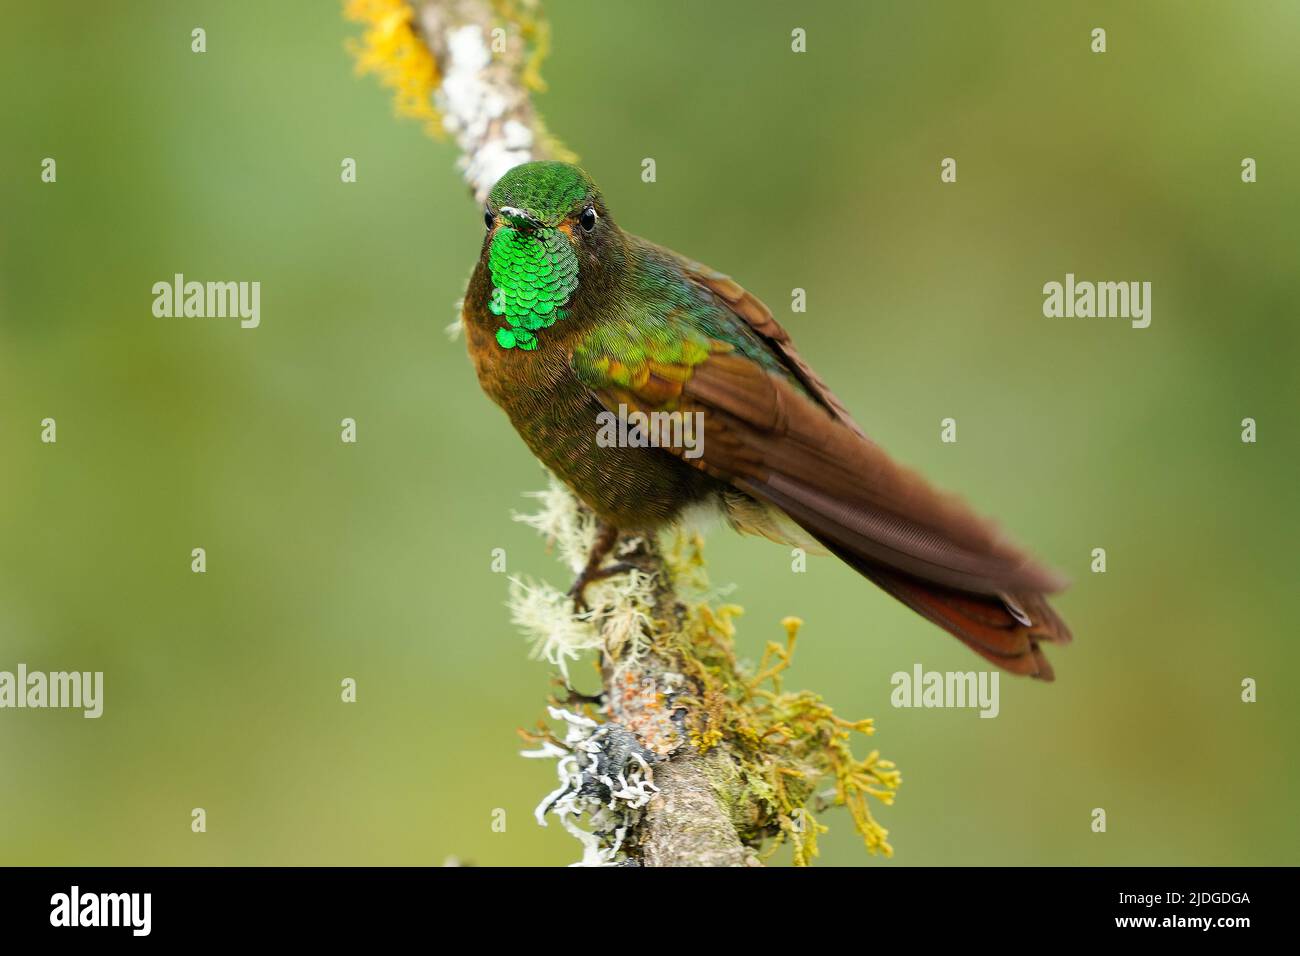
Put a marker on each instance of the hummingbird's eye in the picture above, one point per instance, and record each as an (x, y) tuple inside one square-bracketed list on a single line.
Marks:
[(588, 219), (488, 218)]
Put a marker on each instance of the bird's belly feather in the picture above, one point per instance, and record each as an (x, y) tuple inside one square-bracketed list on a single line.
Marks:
[(634, 489)]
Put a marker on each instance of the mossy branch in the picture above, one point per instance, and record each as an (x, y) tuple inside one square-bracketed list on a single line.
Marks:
[(688, 756), (465, 68)]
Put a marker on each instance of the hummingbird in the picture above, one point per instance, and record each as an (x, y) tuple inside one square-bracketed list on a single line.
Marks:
[(570, 319)]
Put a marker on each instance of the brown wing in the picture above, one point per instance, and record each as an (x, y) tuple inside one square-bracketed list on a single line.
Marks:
[(806, 457), (760, 319)]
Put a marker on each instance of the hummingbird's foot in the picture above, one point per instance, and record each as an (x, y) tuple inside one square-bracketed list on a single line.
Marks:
[(606, 538), (578, 592)]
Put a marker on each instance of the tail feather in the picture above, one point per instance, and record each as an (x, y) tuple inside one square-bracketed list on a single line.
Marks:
[(1005, 628), (982, 622)]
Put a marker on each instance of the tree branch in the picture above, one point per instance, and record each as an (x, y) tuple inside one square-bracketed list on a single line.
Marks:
[(688, 823), (637, 776)]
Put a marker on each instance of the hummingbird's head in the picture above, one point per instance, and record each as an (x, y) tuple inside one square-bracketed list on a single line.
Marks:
[(545, 195), (547, 231)]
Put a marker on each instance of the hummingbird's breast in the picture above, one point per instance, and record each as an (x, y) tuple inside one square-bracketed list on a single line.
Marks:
[(632, 488)]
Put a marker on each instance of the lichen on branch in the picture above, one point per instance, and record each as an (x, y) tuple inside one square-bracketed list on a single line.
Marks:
[(465, 68), (677, 701), (391, 48)]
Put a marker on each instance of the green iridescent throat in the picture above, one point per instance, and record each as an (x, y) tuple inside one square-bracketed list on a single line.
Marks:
[(533, 273)]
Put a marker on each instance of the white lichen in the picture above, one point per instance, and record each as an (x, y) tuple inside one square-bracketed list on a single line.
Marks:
[(617, 617), (603, 769), (546, 618), (626, 629), (474, 101), (603, 777), (570, 528)]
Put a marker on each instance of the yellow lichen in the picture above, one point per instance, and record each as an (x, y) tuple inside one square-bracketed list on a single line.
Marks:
[(775, 758), (536, 33), (787, 742), (391, 47)]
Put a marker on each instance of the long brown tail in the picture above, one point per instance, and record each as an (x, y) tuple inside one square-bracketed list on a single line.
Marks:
[(1005, 630), (1004, 622)]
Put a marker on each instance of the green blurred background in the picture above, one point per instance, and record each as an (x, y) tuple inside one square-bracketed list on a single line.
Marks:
[(819, 171)]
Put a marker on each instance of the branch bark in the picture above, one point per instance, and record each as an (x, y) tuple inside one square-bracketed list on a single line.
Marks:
[(484, 95), (690, 821)]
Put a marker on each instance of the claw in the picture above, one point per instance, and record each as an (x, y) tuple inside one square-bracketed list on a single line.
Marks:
[(606, 538), (577, 593)]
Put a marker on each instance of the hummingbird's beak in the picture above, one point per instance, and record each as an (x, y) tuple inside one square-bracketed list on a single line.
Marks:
[(520, 219)]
